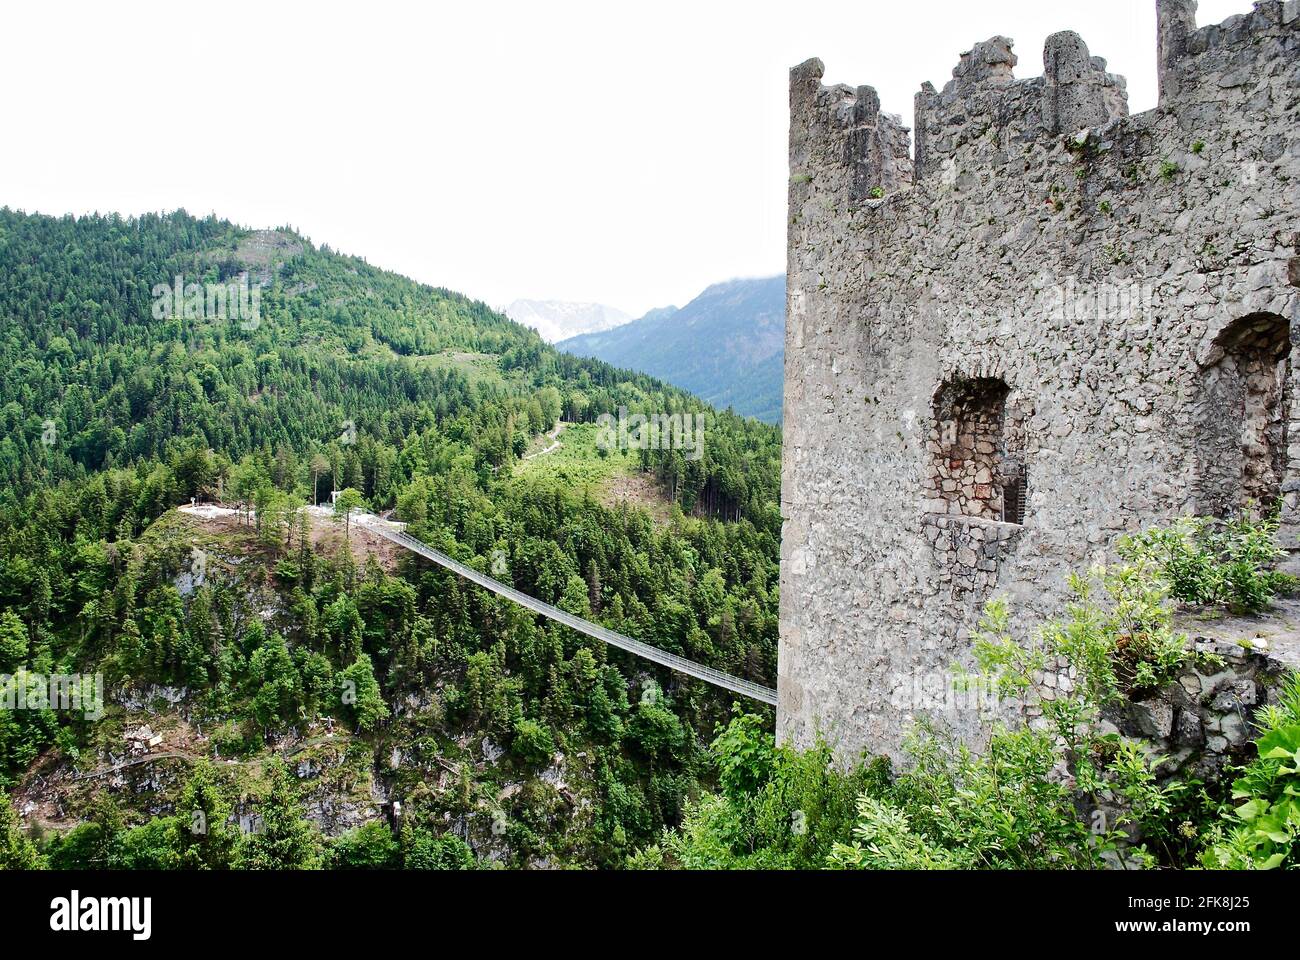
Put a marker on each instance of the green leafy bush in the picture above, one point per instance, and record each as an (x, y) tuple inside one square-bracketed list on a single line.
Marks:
[(16, 851), (1265, 832), (423, 850), (954, 809), (745, 754), (1212, 562), (1117, 636), (368, 847), (532, 742), (779, 808)]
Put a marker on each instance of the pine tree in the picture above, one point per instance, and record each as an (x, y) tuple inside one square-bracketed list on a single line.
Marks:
[(13, 642), (284, 839), (204, 841), (593, 586), (349, 499), (361, 694), (16, 851), (319, 464)]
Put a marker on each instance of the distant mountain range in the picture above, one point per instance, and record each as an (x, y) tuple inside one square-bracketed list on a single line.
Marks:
[(726, 346), (558, 319)]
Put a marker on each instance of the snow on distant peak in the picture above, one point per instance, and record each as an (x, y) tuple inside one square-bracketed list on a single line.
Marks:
[(559, 319)]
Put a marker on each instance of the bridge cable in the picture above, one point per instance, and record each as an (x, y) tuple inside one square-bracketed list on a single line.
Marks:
[(735, 684)]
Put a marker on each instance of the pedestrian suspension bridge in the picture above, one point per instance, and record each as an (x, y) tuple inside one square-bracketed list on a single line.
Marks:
[(394, 533)]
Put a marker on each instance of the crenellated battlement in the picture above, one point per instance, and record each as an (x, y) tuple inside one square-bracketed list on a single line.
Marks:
[(874, 147), (1186, 54), (984, 114), (984, 100), (1049, 323)]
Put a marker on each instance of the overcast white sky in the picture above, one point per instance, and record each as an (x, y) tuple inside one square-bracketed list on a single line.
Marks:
[(626, 154)]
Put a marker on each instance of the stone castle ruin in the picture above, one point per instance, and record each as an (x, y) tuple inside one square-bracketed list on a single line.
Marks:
[(1048, 324)]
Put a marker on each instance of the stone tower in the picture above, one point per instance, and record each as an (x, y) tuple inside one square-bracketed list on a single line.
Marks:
[(1048, 324)]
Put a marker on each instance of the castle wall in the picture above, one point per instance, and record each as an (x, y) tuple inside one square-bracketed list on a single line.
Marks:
[(1095, 271)]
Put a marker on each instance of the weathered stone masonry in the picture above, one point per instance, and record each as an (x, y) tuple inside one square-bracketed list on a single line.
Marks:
[(1050, 324)]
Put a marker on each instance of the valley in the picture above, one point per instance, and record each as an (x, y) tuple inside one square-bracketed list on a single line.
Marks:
[(307, 675), (725, 346)]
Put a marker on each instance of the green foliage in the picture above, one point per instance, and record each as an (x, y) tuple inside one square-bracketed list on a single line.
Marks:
[(361, 694), (532, 742), (780, 808), (151, 846), (1117, 635), (422, 850), (1214, 562), (204, 840), (656, 730), (954, 809), (369, 847), (348, 501), (1264, 832), (23, 733), (16, 851), (579, 462), (285, 839), (745, 754), (883, 839), (1115, 640), (93, 844), (274, 683), (13, 642)]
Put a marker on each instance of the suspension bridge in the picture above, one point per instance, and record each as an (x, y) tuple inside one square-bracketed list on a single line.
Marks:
[(699, 671), (396, 534)]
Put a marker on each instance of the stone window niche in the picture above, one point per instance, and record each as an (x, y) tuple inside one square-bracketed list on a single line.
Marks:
[(977, 466), (1242, 413)]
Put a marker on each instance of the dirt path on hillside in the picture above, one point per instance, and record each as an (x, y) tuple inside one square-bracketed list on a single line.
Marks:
[(553, 435)]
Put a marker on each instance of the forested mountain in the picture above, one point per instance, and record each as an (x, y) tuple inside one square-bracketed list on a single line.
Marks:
[(503, 737), (560, 319), (725, 346)]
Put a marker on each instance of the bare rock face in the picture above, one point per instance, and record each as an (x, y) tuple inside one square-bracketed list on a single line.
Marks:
[(1154, 718), (1048, 324)]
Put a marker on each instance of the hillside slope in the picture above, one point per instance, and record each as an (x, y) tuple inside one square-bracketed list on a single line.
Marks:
[(725, 346), (274, 672)]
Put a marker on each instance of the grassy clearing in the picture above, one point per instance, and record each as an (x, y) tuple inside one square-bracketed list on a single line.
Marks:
[(578, 462), (478, 367)]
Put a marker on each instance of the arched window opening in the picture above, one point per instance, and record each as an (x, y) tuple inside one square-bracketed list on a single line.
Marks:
[(1243, 416), (978, 468)]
